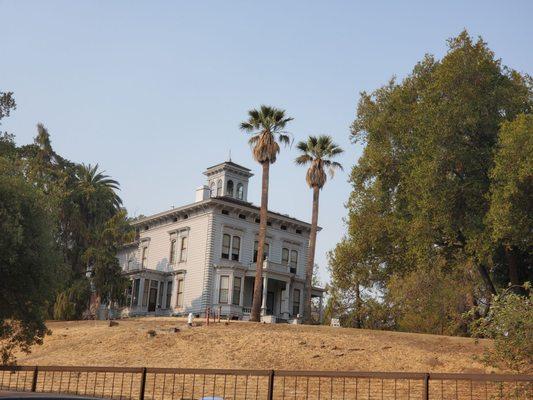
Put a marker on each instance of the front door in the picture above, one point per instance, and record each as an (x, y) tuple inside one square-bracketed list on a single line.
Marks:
[(152, 299), (270, 303)]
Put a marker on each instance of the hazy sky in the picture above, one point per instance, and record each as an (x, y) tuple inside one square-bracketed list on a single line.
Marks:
[(154, 91)]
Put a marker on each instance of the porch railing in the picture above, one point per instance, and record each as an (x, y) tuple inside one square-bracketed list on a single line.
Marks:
[(170, 383), (276, 267)]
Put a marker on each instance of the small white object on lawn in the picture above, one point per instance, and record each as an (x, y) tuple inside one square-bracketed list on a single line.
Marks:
[(335, 322), (190, 319)]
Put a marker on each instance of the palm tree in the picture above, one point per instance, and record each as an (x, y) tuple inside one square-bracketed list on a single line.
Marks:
[(316, 152), (97, 194), (267, 127)]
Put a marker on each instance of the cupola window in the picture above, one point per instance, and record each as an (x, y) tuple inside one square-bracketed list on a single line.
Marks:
[(229, 188)]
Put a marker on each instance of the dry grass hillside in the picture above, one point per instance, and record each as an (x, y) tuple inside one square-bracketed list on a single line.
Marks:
[(251, 346)]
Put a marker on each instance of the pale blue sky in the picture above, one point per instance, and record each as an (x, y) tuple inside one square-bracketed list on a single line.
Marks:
[(154, 91)]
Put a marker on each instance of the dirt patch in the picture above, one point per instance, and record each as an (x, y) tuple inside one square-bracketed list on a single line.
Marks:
[(251, 346)]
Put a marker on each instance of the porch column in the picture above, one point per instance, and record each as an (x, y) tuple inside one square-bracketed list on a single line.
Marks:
[(141, 292), (285, 300), (241, 297), (264, 302)]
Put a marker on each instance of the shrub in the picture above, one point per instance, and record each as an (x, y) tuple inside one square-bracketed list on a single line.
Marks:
[(510, 323)]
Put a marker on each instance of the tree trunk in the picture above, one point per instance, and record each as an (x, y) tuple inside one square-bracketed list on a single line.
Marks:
[(263, 215), (311, 257), (358, 323), (486, 278), (512, 265)]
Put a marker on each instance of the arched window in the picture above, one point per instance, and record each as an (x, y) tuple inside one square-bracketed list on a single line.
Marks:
[(240, 191), (229, 188), (213, 188), (219, 187)]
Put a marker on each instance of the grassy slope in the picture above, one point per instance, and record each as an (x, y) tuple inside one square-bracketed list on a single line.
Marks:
[(251, 346)]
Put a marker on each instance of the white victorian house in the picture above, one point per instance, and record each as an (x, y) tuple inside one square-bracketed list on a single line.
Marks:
[(202, 255)]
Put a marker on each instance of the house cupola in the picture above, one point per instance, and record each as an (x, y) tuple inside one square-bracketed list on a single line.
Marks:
[(228, 179)]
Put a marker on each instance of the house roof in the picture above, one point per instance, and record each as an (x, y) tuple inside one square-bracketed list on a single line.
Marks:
[(230, 164), (222, 200)]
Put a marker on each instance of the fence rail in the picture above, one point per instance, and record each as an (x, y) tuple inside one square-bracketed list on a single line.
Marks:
[(187, 383)]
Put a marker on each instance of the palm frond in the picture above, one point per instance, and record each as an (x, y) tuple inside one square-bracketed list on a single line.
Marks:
[(266, 125), (303, 159), (318, 151)]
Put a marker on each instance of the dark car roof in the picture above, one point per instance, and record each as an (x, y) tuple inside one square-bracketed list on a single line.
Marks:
[(44, 396)]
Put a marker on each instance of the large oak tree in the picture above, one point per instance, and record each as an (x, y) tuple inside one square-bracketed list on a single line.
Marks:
[(421, 189)]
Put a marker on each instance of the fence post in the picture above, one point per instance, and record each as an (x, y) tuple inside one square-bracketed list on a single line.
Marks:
[(426, 387), (270, 385), (143, 384), (34, 379)]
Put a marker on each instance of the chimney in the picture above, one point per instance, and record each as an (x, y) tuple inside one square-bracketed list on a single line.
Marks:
[(202, 193)]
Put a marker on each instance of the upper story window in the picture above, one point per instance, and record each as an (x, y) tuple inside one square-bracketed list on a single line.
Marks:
[(294, 261), (144, 256), (266, 250), (231, 245), (183, 248), (219, 187), (285, 256), (240, 191), (213, 189), (235, 248), (229, 188), (290, 258), (172, 256), (226, 243)]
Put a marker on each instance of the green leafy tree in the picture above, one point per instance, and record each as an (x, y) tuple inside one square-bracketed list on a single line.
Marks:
[(106, 273), (266, 127), (7, 144), (421, 189), (73, 301), (510, 216), (29, 264), (98, 226), (317, 152), (349, 280), (431, 301), (7, 104)]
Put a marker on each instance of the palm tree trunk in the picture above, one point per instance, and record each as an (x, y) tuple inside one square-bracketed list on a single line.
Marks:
[(263, 215), (311, 257)]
